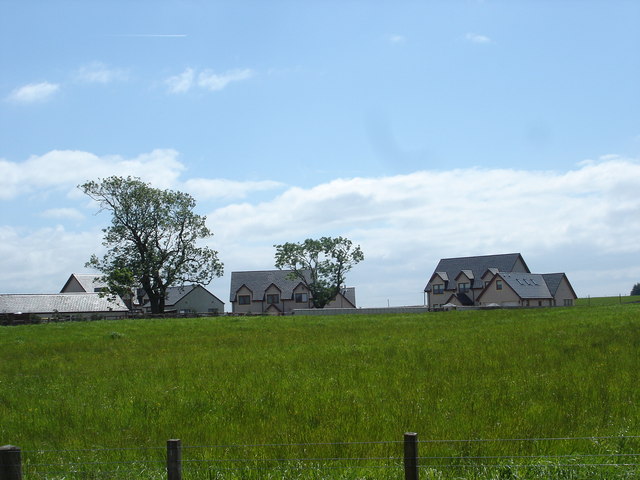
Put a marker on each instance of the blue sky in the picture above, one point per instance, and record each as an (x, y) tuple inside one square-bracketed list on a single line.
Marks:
[(420, 130)]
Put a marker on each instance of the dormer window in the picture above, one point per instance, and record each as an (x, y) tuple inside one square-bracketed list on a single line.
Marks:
[(464, 287), (273, 298), (438, 289), (244, 299), (498, 284)]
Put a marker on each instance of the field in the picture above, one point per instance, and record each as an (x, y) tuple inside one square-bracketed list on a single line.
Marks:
[(247, 395)]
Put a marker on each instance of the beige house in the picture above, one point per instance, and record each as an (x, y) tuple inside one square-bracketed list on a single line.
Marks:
[(189, 299), (495, 280), (272, 292)]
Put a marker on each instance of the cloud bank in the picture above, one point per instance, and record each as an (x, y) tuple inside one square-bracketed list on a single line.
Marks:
[(585, 221)]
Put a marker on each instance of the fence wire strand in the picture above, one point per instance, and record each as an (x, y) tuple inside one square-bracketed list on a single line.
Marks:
[(116, 468)]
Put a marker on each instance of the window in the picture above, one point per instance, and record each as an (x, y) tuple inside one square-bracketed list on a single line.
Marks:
[(568, 302), (301, 298), (244, 299), (464, 287), (273, 298), (438, 289), (498, 284)]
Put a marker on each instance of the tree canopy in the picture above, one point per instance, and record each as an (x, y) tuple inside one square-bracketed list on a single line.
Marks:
[(320, 265), (151, 242), (635, 290)]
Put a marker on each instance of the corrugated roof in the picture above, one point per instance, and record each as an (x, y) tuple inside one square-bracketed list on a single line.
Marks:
[(59, 302)]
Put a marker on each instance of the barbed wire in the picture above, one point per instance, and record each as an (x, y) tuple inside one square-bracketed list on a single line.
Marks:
[(534, 439), (625, 460)]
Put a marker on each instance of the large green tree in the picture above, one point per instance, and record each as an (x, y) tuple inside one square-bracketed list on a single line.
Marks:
[(152, 240), (320, 265), (635, 290)]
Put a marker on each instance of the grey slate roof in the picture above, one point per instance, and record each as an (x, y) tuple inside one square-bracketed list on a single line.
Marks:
[(350, 294), (258, 282), (553, 281), (478, 265), (175, 294), (60, 302), (527, 285)]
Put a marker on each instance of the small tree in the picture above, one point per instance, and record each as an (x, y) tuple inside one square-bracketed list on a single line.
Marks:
[(636, 289), (320, 265), (152, 239)]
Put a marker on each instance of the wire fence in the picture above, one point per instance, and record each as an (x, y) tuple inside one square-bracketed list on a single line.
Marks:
[(603, 457)]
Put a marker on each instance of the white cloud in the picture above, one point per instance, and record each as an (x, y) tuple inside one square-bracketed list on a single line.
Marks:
[(65, 169), (585, 221), (33, 92), (396, 39), (40, 261), (181, 83), (477, 38), (63, 213), (97, 72), (406, 223), (204, 188), (217, 81), (207, 79)]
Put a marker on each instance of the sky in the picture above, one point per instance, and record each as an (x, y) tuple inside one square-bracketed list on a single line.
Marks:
[(420, 130)]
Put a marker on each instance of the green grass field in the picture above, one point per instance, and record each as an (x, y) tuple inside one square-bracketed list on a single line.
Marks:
[(607, 301), (90, 395)]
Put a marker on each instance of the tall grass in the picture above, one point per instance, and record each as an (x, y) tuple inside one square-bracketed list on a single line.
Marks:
[(535, 373)]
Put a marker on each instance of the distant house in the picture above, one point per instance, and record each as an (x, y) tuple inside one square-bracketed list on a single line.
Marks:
[(503, 280), (83, 283), (63, 305), (528, 290), (190, 299), (274, 292)]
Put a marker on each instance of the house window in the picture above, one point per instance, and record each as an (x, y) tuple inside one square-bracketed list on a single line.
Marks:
[(463, 287), (568, 302), (301, 298), (244, 299), (438, 289), (273, 298), (498, 284)]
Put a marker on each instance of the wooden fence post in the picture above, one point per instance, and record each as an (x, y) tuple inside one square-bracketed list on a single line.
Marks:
[(10, 463), (174, 460), (411, 456)]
